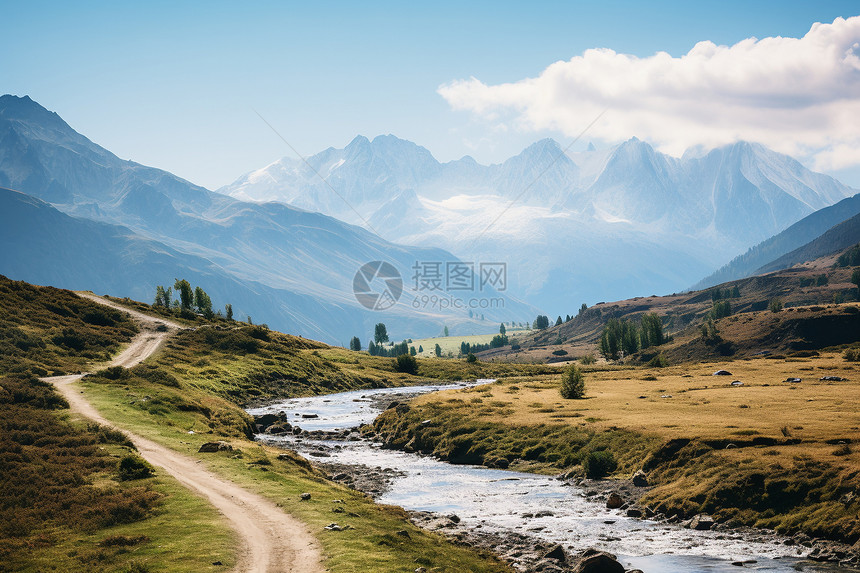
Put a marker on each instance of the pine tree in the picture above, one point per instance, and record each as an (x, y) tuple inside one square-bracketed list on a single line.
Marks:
[(572, 383), (380, 333), (186, 294), (355, 344)]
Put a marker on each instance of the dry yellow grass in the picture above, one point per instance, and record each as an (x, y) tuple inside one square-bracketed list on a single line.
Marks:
[(768, 452), (690, 402)]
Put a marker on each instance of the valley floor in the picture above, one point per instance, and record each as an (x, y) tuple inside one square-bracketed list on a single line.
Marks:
[(772, 444)]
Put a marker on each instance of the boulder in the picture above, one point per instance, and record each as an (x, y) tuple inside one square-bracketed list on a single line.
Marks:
[(614, 501), (305, 496), (634, 512), (556, 553), (640, 479), (269, 419), (279, 428), (702, 522), (722, 373), (593, 561), (210, 447)]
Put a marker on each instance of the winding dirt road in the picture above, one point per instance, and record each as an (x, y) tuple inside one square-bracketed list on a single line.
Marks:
[(272, 541)]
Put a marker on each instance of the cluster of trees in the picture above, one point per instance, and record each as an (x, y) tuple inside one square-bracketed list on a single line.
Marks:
[(627, 337), (721, 309), (498, 341), (850, 258), (190, 299), (541, 322), (391, 351), (723, 294)]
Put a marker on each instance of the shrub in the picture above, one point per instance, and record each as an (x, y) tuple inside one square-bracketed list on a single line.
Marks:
[(588, 359), (851, 354), (133, 467), (471, 358), (599, 464), (559, 352), (406, 363), (572, 383), (658, 361), (775, 305)]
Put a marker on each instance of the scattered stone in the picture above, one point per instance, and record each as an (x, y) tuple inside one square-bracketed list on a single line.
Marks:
[(210, 447), (305, 496), (722, 373), (310, 416), (744, 562), (333, 527), (730, 446), (737, 383), (614, 501), (454, 518), (634, 512), (421, 570), (793, 380), (702, 522), (402, 533), (217, 563), (833, 379), (640, 479)]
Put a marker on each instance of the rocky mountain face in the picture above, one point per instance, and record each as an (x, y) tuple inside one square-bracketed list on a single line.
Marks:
[(301, 263), (572, 227)]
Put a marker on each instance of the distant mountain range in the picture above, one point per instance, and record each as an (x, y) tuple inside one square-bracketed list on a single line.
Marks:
[(776, 252), (94, 221), (572, 227)]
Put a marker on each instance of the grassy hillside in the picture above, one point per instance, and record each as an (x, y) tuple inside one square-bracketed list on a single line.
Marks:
[(768, 452), (66, 506), (44, 330), (189, 393)]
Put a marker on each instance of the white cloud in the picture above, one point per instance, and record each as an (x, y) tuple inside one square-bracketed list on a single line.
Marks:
[(800, 96)]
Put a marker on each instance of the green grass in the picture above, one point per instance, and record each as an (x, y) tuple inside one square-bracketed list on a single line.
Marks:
[(372, 544), (44, 330), (63, 497), (452, 343)]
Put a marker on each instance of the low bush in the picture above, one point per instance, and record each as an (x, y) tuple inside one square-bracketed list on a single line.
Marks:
[(133, 467), (406, 363), (572, 383), (599, 464)]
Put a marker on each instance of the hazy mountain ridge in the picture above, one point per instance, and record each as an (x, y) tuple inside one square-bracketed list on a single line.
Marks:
[(670, 220), (796, 236), (306, 260)]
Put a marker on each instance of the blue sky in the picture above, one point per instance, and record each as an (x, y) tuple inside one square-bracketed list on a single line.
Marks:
[(175, 85)]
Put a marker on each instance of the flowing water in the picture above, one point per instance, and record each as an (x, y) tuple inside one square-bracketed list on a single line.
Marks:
[(541, 506)]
